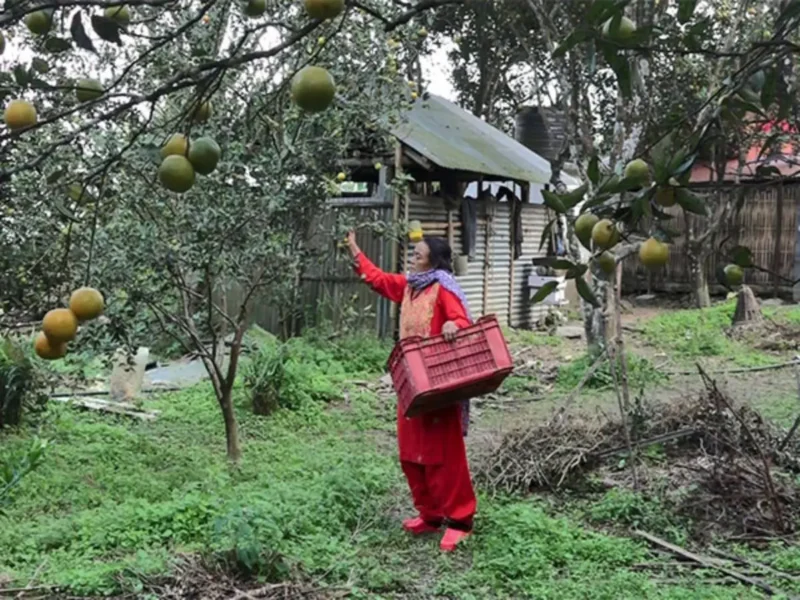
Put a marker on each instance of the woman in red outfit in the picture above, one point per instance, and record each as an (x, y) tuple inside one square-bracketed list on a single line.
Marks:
[(432, 452)]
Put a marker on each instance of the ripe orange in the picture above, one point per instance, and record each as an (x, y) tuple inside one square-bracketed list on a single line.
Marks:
[(86, 303), (60, 325), (47, 350)]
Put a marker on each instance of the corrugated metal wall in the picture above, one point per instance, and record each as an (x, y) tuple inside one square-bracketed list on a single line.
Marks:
[(524, 315), (432, 213), (498, 282)]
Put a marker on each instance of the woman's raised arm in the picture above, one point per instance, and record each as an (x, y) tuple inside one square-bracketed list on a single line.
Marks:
[(389, 285)]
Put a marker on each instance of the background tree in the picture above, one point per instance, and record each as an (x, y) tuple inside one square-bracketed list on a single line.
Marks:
[(85, 204)]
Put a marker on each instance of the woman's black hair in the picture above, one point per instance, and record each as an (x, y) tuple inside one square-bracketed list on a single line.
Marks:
[(441, 256)]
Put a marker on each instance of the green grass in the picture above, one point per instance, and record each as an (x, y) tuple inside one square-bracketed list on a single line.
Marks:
[(691, 334), (318, 494), (522, 337), (641, 373)]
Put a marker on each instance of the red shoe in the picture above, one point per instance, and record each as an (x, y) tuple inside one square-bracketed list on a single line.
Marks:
[(452, 538), (418, 526)]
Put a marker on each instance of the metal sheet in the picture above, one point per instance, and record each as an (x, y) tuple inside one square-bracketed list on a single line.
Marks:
[(455, 139), (523, 314)]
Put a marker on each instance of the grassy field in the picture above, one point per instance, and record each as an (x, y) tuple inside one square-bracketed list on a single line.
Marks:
[(120, 504)]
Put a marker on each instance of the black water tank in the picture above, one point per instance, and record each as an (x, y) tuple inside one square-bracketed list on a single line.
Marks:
[(530, 130)]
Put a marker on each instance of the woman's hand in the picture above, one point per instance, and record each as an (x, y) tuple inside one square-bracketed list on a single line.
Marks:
[(449, 331), (352, 244)]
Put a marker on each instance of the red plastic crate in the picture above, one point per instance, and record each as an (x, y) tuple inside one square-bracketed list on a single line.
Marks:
[(431, 373)]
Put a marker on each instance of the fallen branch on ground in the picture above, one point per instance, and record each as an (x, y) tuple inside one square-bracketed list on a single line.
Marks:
[(707, 562), (110, 407)]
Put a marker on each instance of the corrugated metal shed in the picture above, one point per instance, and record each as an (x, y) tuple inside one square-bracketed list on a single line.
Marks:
[(456, 139)]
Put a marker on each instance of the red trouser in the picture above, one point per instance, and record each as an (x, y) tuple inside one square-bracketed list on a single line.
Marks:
[(443, 493)]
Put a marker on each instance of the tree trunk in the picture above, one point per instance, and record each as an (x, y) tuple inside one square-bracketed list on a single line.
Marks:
[(748, 310), (697, 267), (595, 321), (231, 429)]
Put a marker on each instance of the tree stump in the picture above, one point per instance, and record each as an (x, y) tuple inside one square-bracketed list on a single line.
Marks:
[(748, 310)]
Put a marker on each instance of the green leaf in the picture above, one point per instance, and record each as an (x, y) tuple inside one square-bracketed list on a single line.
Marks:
[(56, 45), (600, 11), (685, 165), (574, 197), (39, 65), (622, 70), (553, 201), (560, 264), (593, 171), (544, 291), (578, 36), (107, 29), (576, 271), (548, 229), (690, 202), (610, 185), (79, 33), (55, 176), (22, 76), (770, 88), (790, 11), (65, 212), (742, 256), (686, 10), (661, 155), (586, 292)]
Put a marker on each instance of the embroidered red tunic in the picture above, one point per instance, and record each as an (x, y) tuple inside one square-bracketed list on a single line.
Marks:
[(431, 438)]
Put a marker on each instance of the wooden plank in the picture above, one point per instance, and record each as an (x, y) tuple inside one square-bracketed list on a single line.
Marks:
[(706, 561), (109, 407), (419, 159)]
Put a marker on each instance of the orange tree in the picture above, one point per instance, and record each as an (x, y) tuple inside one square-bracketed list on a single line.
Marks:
[(100, 188)]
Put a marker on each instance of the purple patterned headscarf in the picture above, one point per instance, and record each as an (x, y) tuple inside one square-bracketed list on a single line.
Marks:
[(421, 281)]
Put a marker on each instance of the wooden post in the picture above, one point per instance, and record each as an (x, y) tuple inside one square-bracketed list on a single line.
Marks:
[(451, 237), (776, 258), (487, 250), (398, 165), (396, 171)]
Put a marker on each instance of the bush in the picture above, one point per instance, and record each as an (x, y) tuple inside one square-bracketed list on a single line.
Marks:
[(17, 466), (20, 383), (291, 375)]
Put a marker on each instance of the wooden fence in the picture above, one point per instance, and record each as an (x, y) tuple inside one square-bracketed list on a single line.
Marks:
[(767, 225), (329, 291)]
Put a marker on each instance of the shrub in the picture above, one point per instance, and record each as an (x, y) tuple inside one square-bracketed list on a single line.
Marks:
[(20, 383), (292, 375)]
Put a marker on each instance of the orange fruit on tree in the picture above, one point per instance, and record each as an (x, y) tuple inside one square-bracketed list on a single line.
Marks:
[(176, 174), (583, 228), (38, 22), (313, 89), (605, 234), (653, 253), (120, 14), (255, 8), (88, 89), (204, 154), (202, 113), (19, 114), (86, 303), (60, 325), (176, 144), (607, 262), (46, 349), (324, 9)]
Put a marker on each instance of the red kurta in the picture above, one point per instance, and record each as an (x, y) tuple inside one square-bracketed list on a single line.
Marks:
[(431, 445)]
